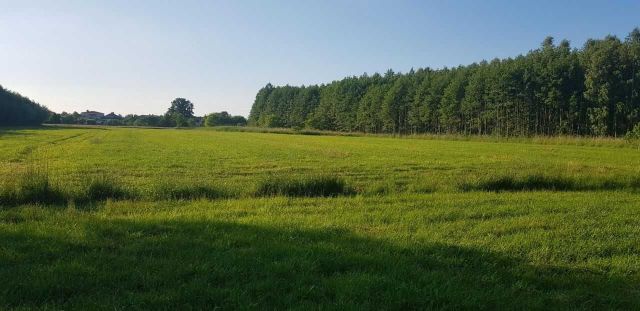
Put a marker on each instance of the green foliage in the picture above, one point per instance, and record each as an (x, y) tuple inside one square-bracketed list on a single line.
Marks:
[(634, 134), (16, 109), (270, 120), (54, 118), (308, 186), (552, 90), (224, 119), (146, 120), (177, 119), (182, 107)]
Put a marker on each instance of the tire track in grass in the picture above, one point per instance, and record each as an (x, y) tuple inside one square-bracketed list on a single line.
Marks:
[(28, 150)]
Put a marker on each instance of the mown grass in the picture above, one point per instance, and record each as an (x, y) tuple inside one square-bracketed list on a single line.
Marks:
[(508, 251), (310, 186), (235, 161), (203, 219), (167, 190)]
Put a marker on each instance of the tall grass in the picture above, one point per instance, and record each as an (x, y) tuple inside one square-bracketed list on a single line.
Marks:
[(309, 186), (104, 187), (31, 186), (550, 182), (590, 141), (35, 187)]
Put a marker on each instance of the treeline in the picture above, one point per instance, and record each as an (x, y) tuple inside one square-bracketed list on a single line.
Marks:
[(552, 90), (16, 109), (224, 119), (179, 114), (128, 120)]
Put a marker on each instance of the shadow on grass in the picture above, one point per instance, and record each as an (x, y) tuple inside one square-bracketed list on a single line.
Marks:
[(174, 191), (207, 264), (552, 183), (306, 186)]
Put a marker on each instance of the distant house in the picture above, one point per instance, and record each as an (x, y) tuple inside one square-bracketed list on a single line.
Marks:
[(92, 115), (112, 116)]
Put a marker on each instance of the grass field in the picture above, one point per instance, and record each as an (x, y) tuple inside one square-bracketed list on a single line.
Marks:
[(166, 219)]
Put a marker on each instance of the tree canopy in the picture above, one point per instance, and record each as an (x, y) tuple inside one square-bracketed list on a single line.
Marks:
[(16, 109), (224, 118), (180, 113), (552, 90), (181, 106)]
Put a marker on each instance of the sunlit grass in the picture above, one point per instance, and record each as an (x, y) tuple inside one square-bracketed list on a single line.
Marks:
[(140, 159), (107, 218)]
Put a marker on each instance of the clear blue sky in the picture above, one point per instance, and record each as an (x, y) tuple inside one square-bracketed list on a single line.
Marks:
[(136, 56)]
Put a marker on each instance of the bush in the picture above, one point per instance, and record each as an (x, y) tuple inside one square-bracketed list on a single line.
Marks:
[(634, 134), (224, 119), (315, 186), (16, 109)]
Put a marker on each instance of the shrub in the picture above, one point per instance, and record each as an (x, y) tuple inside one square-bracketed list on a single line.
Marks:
[(634, 134), (314, 186)]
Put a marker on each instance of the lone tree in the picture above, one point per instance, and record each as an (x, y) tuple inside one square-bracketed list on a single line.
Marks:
[(181, 106), (180, 113)]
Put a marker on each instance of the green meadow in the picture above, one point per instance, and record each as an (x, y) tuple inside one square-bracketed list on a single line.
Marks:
[(132, 218)]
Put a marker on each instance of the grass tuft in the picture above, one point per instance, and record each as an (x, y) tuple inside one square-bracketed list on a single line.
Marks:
[(551, 183), (310, 186), (171, 191), (32, 186), (103, 187)]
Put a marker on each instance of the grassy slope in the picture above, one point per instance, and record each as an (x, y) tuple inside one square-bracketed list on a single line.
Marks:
[(578, 250)]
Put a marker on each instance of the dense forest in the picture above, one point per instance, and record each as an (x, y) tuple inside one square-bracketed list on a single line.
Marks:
[(16, 109), (552, 90)]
